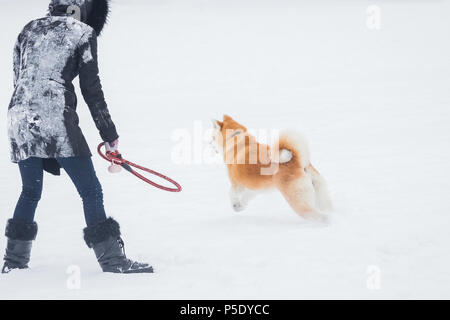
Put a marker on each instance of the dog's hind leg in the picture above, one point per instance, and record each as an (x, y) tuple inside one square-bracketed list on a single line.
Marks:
[(323, 200), (240, 197), (300, 195)]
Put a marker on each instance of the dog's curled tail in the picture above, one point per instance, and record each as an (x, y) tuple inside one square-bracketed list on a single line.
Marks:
[(292, 148)]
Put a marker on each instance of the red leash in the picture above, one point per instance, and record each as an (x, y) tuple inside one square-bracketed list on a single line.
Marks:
[(116, 159)]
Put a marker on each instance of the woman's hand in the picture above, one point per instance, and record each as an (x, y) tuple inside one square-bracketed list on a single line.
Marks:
[(112, 146)]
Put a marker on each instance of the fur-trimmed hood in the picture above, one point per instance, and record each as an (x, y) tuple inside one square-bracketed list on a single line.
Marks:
[(92, 12)]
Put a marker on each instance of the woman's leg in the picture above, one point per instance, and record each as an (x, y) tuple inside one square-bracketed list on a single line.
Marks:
[(82, 173), (101, 234), (21, 230), (31, 171)]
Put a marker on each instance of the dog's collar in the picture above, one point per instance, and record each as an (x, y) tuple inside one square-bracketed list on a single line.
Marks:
[(235, 134)]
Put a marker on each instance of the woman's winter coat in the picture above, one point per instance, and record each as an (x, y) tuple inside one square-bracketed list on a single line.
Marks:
[(49, 54)]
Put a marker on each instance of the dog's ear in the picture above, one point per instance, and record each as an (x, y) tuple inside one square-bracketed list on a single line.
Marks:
[(217, 124), (227, 117)]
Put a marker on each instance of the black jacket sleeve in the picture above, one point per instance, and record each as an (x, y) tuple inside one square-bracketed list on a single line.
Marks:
[(91, 87)]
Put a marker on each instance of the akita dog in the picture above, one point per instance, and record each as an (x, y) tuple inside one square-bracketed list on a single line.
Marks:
[(286, 166)]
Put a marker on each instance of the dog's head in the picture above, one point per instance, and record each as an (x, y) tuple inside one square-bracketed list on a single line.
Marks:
[(226, 130)]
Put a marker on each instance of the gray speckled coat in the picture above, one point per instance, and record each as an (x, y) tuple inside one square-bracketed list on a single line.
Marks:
[(49, 54)]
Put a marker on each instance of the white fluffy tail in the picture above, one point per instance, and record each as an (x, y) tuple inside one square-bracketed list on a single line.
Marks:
[(285, 156), (292, 147)]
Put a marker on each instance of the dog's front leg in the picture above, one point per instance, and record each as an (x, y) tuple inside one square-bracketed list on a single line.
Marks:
[(240, 197), (236, 197)]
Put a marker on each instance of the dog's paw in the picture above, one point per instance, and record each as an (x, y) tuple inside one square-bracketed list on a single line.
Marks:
[(319, 218), (238, 207), (324, 204)]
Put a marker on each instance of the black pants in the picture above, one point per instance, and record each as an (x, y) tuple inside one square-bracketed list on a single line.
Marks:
[(81, 171)]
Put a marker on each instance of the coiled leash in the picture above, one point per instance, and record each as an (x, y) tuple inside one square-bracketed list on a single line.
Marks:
[(115, 158)]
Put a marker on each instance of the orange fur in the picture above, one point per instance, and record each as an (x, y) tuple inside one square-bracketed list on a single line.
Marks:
[(251, 166)]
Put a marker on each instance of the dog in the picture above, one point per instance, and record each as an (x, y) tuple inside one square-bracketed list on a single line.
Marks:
[(254, 167)]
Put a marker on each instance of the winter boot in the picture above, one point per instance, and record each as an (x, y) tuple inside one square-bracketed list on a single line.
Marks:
[(108, 246), (18, 249)]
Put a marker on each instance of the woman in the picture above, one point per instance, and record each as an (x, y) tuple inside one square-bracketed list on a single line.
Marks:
[(43, 127)]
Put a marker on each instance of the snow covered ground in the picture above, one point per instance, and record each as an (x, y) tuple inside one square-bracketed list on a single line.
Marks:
[(374, 104)]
